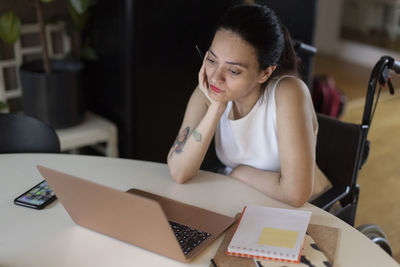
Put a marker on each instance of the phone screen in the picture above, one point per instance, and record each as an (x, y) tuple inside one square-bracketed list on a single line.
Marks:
[(37, 197)]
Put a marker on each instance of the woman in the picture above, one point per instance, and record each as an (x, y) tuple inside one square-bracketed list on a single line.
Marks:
[(261, 113)]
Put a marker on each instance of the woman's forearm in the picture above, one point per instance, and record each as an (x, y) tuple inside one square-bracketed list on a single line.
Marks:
[(272, 184), (187, 154)]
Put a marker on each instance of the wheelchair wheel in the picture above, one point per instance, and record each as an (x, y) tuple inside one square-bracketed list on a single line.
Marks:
[(371, 229), (376, 235)]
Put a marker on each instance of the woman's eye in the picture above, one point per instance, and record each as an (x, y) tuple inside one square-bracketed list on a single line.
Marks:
[(234, 72), (211, 60)]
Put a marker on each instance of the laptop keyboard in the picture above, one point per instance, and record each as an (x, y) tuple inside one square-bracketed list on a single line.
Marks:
[(188, 238)]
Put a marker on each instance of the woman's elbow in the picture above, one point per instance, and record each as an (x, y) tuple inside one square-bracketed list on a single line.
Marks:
[(296, 202), (180, 179), (298, 199), (179, 174)]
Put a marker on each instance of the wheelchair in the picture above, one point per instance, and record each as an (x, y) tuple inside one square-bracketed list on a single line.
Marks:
[(342, 150)]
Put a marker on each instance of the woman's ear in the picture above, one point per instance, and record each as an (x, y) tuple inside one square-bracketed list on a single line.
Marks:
[(265, 74)]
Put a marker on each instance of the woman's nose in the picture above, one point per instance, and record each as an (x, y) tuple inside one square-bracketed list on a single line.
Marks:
[(218, 76)]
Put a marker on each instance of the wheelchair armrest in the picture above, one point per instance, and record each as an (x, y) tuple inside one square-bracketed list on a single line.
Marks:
[(327, 199)]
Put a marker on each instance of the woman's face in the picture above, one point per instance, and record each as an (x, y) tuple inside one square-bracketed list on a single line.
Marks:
[(232, 68)]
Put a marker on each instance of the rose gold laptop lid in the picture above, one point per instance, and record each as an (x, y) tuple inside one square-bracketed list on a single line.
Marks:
[(141, 218)]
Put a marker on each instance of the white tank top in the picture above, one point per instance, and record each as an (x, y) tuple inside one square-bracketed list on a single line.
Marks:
[(251, 140)]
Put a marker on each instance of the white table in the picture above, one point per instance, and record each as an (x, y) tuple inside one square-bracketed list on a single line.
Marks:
[(50, 238)]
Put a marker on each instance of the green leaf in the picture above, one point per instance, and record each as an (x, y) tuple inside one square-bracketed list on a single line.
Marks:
[(80, 6), (88, 53), (79, 20), (46, 1), (10, 27), (3, 105)]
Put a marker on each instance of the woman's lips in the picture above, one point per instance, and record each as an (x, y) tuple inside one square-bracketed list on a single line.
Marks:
[(216, 89)]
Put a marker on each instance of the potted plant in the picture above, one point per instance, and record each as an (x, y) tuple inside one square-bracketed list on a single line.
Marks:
[(52, 89)]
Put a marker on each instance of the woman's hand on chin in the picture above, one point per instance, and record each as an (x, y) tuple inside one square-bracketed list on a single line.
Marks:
[(204, 87)]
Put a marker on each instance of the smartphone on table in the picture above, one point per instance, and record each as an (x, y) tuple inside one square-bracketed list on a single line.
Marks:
[(37, 197)]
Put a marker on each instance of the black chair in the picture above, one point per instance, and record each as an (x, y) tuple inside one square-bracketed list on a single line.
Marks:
[(341, 151), (338, 145), (24, 134)]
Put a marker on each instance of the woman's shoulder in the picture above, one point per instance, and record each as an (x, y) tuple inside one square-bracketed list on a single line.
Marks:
[(293, 97), (291, 87)]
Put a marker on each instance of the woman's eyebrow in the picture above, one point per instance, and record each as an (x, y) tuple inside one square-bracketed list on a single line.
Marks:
[(230, 62)]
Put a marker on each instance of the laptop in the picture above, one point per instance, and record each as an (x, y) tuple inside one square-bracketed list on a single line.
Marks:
[(161, 225)]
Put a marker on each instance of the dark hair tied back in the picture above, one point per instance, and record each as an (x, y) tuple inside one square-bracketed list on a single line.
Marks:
[(260, 27), (288, 60)]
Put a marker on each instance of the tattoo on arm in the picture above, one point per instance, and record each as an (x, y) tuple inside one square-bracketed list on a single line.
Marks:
[(196, 135), (182, 138)]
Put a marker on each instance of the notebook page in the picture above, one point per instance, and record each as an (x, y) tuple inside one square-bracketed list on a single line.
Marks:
[(270, 232)]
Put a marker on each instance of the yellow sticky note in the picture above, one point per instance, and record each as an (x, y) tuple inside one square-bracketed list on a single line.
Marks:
[(278, 237)]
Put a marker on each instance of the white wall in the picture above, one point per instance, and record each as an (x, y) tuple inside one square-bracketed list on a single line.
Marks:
[(327, 37), (328, 26), (363, 54)]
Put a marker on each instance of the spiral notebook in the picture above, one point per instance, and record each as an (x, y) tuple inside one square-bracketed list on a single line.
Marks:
[(270, 233)]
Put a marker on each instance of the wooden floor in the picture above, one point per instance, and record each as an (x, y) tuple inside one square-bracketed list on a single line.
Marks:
[(379, 179)]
